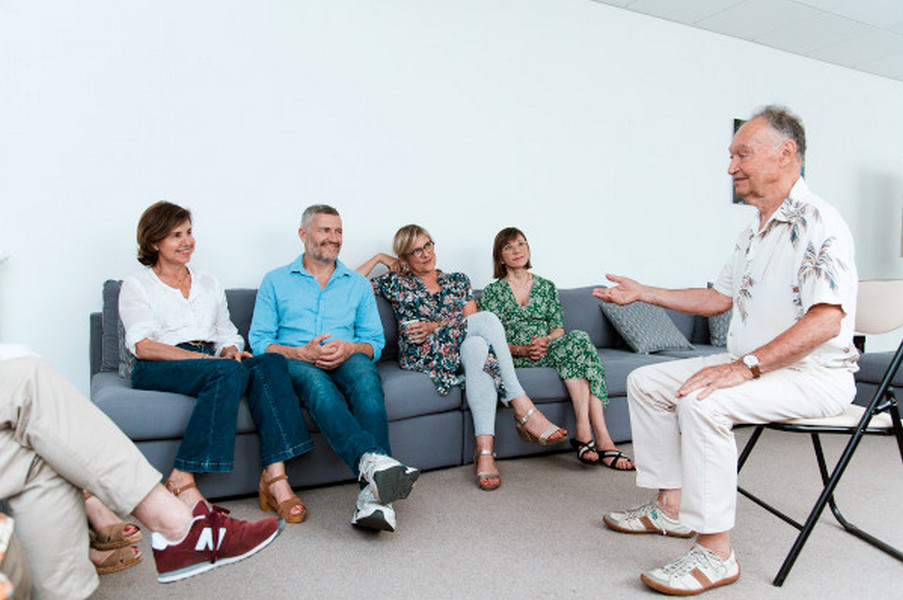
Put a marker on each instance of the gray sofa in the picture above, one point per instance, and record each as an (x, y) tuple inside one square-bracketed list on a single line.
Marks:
[(426, 430)]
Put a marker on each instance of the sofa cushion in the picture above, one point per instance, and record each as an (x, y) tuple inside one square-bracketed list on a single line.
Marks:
[(692, 328), (618, 365), (411, 393), (151, 415), (126, 358), (542, 384), (578, 311), (241, 310), (645, 328), (872, 366), (390, 328), (110, 326), (718, 326), (698, 350)]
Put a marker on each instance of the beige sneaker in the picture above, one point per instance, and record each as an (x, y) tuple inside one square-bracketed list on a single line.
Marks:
[(697, 571), (648, 518)]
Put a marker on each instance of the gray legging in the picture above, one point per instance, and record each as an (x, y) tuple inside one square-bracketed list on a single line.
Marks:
[(484, 330)]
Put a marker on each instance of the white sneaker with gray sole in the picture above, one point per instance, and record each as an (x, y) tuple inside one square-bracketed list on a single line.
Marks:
[(371, 514), (389, 479)]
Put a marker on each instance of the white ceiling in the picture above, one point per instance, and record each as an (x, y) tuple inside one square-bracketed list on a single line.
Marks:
[(866, 35)]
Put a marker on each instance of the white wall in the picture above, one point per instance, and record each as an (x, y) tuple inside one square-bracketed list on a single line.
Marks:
[(600, 132)]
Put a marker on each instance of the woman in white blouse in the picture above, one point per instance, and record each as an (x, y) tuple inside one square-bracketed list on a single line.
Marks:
[(177, 325)]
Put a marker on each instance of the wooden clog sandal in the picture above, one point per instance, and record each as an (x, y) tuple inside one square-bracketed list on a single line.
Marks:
[(284, 508)]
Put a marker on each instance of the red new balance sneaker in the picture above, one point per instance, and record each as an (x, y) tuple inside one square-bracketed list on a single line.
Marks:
[(213, 540)]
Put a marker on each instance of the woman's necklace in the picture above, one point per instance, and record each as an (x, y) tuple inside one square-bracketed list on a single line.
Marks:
[(521, 289), (521, 285), (181, 281)]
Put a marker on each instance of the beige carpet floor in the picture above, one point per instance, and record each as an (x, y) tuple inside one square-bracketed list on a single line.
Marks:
[(540, 536)]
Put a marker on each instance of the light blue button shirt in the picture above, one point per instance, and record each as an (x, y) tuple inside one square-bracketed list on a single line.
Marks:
[(292, 309)]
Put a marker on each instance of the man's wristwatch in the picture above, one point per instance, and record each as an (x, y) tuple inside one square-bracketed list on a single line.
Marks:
[(752, 363)]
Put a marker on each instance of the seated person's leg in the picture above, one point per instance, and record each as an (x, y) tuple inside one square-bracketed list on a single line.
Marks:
[(50, 521), (275, 409), (327, 406), (208, 443), (360, 384), (218, 386), (49, 439), (15, 569), (538, 428), (50, 417), (283, 433)]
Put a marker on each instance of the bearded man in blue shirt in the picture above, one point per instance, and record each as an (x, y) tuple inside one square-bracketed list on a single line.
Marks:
[(322, 317)]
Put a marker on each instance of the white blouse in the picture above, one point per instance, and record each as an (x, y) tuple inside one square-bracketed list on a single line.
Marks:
[(153, 310)]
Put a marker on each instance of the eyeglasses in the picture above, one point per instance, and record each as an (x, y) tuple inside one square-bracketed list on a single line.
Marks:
[(418, 252)]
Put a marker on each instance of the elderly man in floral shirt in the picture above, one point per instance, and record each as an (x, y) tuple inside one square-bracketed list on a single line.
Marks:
[(792, 283)]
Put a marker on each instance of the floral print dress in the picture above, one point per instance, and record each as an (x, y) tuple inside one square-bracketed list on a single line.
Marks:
[(572, 354), (438, 356)]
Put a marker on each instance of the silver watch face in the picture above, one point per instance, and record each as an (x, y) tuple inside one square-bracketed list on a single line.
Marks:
[(751, 360)]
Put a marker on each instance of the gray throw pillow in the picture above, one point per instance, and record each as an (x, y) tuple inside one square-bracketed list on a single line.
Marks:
[(718, 327), (110, 327), (646, 328), (126, 358), (719, 324)]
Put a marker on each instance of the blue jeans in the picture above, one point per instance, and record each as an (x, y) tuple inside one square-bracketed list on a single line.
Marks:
[(347, 404), (209, 439)]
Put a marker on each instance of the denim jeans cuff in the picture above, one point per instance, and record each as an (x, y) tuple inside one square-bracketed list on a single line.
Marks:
[(284, 455), (202, 466)]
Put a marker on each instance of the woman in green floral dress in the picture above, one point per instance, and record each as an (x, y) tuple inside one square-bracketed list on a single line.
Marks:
[(530, 310)]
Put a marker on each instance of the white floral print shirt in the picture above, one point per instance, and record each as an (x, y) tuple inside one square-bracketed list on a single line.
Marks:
[(801, 257)]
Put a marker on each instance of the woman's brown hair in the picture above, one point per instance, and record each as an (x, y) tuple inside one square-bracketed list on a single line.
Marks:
[(503, 238), (156, 223)]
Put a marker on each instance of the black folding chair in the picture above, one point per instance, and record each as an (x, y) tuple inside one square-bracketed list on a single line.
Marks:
[(880, 417)]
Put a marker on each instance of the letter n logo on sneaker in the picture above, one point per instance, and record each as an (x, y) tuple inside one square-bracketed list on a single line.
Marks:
[(205, 540)]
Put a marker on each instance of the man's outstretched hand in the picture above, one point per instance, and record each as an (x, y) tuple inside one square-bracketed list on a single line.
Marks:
[(626, 291)]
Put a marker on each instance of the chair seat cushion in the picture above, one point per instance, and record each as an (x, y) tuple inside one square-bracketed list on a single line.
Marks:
[(848, 418)]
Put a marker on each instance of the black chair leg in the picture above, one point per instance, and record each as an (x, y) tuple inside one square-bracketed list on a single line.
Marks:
[(750, 444), (827, 496)]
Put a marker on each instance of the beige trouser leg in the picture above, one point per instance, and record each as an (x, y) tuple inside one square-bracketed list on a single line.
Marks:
[(14, 568), (689, 444), (53, 443)]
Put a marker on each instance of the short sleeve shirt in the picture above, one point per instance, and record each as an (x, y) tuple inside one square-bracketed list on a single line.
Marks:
[(801, 257)]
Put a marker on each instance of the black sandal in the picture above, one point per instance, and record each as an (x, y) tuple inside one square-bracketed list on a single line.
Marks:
[(615, 456), (582, 448)]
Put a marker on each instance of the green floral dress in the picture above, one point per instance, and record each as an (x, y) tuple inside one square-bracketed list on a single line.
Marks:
[(572, 354)]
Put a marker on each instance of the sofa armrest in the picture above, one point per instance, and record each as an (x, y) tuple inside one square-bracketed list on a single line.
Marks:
[(95, 341)]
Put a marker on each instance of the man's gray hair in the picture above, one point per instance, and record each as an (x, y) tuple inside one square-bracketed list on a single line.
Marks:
[(316, 209), (787, 125)]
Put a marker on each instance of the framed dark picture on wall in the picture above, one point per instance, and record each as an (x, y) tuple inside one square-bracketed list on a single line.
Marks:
[(738, 123)]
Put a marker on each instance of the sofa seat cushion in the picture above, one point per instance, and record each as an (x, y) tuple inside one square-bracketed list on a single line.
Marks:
[(148, 415), (618, 365), (698, 350), (580, 310), (542, 384), (411, 393)]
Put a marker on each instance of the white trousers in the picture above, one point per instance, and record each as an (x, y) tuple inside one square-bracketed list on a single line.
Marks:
[(53, 443), (688, 444)]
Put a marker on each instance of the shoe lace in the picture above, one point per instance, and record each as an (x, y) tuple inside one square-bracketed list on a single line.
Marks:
[(640, 511), (686, 563), (216, 517)]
